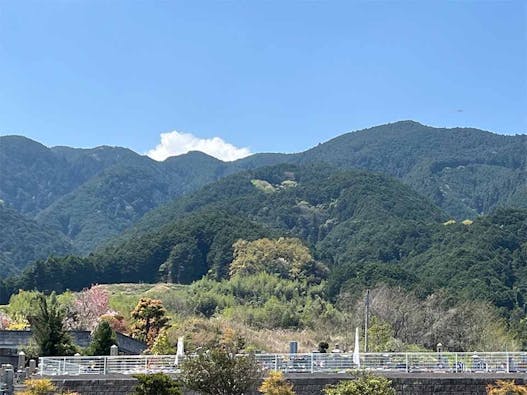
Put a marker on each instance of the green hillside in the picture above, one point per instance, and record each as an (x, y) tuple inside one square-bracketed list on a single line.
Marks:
[(91, 196), (366, 228), (22, 241), (467, 172), (193, 236)]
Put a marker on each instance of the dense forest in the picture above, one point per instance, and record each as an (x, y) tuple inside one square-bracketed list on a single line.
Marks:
[(366, 229), (24, 240), (93, 195)]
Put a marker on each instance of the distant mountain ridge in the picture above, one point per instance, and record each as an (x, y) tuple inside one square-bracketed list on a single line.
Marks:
[(92, 195), (465, 171)]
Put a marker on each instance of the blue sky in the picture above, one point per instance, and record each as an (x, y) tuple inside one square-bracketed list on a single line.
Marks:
[(266, 75)]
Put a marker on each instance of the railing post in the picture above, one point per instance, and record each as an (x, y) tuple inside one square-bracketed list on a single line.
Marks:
[(455, 363), (105, 365), (406, 363), (276, 362), (312, 363), (507, 364)]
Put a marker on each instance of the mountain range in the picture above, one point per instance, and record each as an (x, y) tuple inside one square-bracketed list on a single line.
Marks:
[(65, 200)]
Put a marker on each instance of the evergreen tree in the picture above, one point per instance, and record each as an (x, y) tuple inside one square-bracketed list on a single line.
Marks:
[(48, 330), (150, 318), (103, 338)]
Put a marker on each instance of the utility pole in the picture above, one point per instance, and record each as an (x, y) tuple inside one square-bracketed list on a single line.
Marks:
[(366, 319)]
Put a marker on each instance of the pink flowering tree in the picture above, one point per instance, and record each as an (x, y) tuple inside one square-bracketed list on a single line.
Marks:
[(88, 306)]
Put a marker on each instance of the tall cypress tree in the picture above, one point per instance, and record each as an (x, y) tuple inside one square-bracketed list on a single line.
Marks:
[(48, 330)]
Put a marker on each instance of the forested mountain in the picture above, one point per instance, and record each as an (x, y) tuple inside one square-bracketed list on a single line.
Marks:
[(198, 231), (121, 194), (465, 171), (92, 195), (367, 228), (23, 240)]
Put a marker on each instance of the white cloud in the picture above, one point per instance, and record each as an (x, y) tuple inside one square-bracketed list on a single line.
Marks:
[(177, 143)]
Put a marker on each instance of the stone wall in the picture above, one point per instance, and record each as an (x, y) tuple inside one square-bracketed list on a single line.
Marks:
[(305, 384)]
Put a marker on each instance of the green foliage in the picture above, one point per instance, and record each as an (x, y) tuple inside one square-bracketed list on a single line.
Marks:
[(156, 384), (103, 338), (25, 240), (285, 257), (38, 387), (92, 195), (380, 336), (364, 384), (264, 301), (220, 371), (47, 326), (162, 345), (23, 304)]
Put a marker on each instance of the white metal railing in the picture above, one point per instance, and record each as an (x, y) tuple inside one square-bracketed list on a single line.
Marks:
[(103, 365), (503, 362)]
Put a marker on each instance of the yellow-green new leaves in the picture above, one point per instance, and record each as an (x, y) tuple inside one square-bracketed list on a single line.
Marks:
[(276, 384), (286, 257)]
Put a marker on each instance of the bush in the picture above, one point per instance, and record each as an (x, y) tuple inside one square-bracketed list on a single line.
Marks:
[(156, 384), (41, 387), (503, 387), (276, 384), (365, 384), (220, 371), (38, 387)]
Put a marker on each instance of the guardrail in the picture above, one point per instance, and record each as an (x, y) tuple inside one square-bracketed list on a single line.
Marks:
[(502, 362)]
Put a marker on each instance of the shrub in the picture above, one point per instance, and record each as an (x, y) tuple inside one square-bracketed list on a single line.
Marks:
[(156, 384), (276, 384), (42, 387), (38, 387), (150, 318), (365, 384), (503, 387), (220, 371)]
